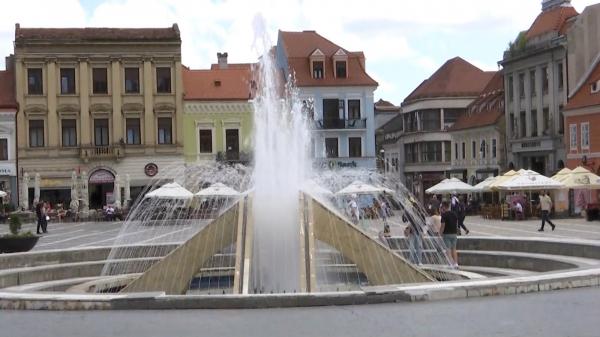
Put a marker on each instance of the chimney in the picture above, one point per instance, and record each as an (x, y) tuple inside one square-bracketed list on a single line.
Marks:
[(9, 62), (222, 57)]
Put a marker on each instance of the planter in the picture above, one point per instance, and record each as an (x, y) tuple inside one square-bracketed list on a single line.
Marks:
[(18, 244)]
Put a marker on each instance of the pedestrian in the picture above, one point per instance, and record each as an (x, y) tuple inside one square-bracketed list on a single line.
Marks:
[(434, 204), (45, 216), (413, 233), (459, 208), (353, 209), (376, 209), (449, 228), (383, 212), (546, 205), (38, 214)]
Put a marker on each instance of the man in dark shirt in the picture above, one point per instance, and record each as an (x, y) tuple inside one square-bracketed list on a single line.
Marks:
[(449, 229)]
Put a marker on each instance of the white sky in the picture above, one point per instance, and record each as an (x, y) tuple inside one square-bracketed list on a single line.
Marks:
[(404, 41)]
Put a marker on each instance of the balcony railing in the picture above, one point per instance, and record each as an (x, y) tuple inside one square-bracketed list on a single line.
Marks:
[(329, 124), (101, 152)]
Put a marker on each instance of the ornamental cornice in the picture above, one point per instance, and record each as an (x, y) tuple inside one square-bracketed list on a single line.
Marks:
[(218, 107)]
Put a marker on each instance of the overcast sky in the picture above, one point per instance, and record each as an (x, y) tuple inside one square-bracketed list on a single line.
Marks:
[(404, 41)]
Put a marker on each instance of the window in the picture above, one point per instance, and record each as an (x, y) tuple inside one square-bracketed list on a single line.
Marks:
[(494, 148), (163, 79), (585, 135), (482, 149), (573, 136), (101, 132), (431, 120), (3, 149), (331, 147), (560, 75), (561, 120), (545, 80), (534, 124), (355, 147), (473, 149), (232, 144), (308, 108), (164, 131), (512, 126), (69, 132), (464, 150), (132, 80), (34, 81), (532, 82), (431, 152), (510, 89), (411, 153), (546, 115), (36, 133), (340, 69), (456, 151), (67, 81), (523, 121), (100, 81), (317, 69), (451, 115), (353, 109), (447, 151), (206, 140), (522, 85), (132, 131)]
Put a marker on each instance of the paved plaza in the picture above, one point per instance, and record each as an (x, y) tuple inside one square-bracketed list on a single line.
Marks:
[(90, 234), (560, 313)]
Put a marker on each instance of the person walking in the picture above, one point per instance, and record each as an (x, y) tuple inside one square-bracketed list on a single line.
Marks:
[(413, 233), (546, 205), (449, 228), (353, 209), (45, 216), (459, 208), (38, 214)]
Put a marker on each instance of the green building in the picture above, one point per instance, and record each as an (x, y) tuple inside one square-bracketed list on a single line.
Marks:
[(217, 121)]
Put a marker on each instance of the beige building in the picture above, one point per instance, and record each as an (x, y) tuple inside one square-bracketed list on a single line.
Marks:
[(97, 106)]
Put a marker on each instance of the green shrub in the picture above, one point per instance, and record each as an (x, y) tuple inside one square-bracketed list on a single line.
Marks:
[(15, 224)]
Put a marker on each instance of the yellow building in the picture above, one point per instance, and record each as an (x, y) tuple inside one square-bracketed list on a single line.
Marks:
[(96, 105)]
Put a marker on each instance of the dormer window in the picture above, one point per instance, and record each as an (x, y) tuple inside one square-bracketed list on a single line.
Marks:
[(595, 87), (317, 69), (340, 69)]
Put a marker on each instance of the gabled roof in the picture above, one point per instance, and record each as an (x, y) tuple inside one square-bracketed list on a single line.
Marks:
[(584, 97), (96, 34), (231, 84), (7, 90), (382, 105), (455, 78), (299, 46), (552, 20), (487, 109)]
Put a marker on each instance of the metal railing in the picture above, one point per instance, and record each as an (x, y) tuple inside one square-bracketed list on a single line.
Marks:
[(100, 152), (341, 124)]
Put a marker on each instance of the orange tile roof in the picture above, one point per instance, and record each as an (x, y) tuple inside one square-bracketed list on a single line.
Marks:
[(382, 105), (454, 78), (7, 90), (584, 97), (486, 109), (97, 34), (552, 20), (298, 47), (233, 83)]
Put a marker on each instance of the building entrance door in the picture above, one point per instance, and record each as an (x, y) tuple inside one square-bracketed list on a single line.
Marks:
[(538, 164), (101, 185)]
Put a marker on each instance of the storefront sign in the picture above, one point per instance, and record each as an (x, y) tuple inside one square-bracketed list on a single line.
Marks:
[(102, 177), (8, 170), (151, 169)]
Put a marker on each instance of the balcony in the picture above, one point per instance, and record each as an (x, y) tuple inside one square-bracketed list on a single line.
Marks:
[(100, 152), (330, 124)]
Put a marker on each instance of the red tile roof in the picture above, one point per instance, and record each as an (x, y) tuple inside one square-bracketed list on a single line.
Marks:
[(299, 46), (584, 97), (454, 78), (382, 105), (96, 34), (7, 90), (487, 109), (552, 20), (231, 84)]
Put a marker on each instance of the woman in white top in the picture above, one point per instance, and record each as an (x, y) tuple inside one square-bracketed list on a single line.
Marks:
[(435, 222)]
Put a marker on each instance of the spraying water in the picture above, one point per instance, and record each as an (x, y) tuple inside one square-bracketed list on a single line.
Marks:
[(281, 165)]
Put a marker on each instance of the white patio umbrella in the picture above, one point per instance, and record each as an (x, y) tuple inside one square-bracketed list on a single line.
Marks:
[(358, 187), (561, 174), (581, 178), (529, 181), (448, 186), (311, 186), (170, 191), (484, 186), (218, 189)]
